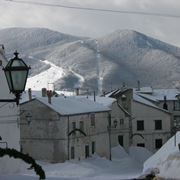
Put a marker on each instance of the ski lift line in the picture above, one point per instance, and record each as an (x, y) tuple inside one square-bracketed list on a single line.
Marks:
[(97, 9)]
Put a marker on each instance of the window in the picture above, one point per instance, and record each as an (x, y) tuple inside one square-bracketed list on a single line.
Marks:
[(141, 144), (92, 120), (177, 105), (140, 125), (158, 124), (176, 121), (73, 125), (86, 151), (121, 121), (158, 143), (93, 147), (81, 125), (72, 152)]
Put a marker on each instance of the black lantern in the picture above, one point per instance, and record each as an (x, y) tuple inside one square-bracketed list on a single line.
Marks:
[(16, 72), (115, 123)]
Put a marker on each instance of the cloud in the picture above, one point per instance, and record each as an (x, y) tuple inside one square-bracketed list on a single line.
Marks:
[(92, 23)]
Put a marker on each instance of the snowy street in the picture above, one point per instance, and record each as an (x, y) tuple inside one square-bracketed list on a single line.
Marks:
[(122, 166)]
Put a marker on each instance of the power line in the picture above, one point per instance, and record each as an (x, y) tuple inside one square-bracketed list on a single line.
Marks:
[(97, 9)]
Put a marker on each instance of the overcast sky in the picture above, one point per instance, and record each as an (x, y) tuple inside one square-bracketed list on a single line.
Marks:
[(92, 23)]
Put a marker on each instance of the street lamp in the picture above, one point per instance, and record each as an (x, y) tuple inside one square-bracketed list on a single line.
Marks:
[(16, 72)]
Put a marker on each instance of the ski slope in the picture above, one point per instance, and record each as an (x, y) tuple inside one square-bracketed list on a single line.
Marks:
[(47, 78)]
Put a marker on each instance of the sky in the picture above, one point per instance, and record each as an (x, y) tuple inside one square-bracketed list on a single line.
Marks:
[(18, 13)]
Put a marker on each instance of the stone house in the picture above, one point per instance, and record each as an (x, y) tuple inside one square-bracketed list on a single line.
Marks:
[(118, 122), (149, 125), (63, 128), (165, 98)]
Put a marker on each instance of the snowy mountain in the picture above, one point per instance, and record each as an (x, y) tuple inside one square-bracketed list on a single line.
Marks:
[(104, 63)]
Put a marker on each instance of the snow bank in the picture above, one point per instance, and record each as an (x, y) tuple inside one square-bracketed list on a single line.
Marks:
[(139, 153), (118, 152), (167, 159)]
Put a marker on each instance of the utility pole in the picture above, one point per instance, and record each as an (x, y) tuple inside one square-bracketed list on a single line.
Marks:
[(109, 133)]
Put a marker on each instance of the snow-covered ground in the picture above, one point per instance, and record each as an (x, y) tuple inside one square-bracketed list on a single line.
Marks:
[(122, 166)]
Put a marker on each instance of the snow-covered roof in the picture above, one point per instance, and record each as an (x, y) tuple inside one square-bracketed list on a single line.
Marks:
[(145, 90), (142, 100), (166, 159), (105, 101), (158, 94), (72, 105), (138, 98)]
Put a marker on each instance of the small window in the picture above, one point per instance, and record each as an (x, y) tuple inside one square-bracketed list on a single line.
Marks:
[(176, 121), (177, 105), (72, 152), (158, 143), (73, 125), (92, 120), (141, 144), (121, 122), (81, 125), (140, 125), (93, 147), (158, 124)]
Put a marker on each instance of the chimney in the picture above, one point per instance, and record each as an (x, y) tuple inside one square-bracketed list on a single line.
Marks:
[(123, 86), (165, 106), (104, 93), (138, 85), (94, 96), (30, 93), (77, 91), (2, 49), (44, 92), (49, 94)]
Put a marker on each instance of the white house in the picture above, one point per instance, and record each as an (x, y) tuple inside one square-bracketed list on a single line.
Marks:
[(149, 125), (63, 128), (9, 131), (164, 98), (119, 122)]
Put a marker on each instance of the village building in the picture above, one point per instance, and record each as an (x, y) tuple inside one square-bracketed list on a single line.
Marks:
[(168, 99), (63, 128), (118, 122), (149, 125)]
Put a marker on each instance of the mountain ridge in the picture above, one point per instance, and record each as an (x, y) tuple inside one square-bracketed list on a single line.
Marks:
[(123, 56)]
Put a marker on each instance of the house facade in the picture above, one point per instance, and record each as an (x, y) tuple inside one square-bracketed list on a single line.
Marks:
[(149, 125), (118, 122), (120, 131), (64, 128), (165, 98)]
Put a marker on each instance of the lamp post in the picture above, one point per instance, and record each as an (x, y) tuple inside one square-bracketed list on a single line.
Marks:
[(16, 72)]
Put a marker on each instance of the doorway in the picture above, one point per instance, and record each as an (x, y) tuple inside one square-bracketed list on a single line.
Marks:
[(86, 151)]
